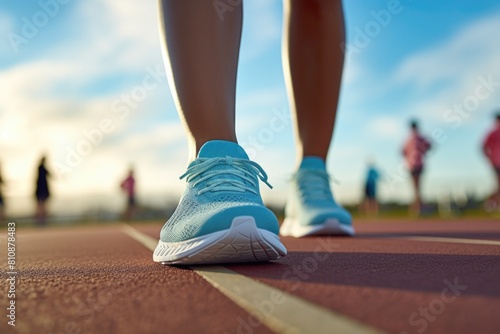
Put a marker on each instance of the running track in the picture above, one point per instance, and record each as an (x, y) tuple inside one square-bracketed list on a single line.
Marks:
[(409, 277)]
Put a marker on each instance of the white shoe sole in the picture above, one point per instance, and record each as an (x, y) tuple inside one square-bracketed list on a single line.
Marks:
[(242, 242), (331, 226)]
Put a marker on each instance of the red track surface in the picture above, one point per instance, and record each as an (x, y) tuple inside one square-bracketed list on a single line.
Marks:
[(99, 280)]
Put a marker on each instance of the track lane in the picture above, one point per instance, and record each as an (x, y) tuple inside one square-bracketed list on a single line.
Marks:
[(99, 280), (69, 281), (282, 312), (383, 281)]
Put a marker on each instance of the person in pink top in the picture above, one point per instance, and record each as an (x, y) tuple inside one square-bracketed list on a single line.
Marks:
[(414, 150), (491, 148), (128, 185)]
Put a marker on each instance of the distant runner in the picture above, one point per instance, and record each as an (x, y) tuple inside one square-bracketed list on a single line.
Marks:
[(42, 192), (128, 185), (414, 150), (491, 148), (370, 202)]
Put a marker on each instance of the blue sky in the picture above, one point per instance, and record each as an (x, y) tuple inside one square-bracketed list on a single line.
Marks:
[(72, 77)]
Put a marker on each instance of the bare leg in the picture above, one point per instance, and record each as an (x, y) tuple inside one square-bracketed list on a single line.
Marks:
[(493, 201), (313, 62), (415, 208), (201, 58), (368, 206), (496, 196), (40, 213), (373, 206), (363, 207), (129, 212)]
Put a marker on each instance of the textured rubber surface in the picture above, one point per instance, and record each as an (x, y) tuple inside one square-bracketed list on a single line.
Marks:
[(291, 228), (242, 242), (97, 279), (390, 284)]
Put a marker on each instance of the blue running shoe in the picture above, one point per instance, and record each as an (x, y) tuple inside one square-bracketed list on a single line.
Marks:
[(220, 217), (311, 208)]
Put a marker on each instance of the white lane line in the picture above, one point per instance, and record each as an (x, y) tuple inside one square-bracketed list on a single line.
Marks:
[(452, 240), (144, 239), (276, 309)]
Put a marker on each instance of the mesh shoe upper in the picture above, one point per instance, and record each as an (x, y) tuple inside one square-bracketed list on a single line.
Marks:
[(222, 183), (311, 200)]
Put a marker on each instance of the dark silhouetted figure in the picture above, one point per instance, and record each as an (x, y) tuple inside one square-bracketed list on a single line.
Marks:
[(414, 150), (370, 204), (42, 192), (128, 185), (491, 148)]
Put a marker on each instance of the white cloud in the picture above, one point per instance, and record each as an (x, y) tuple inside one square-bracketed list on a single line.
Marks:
[(352, 71), (123, 33), (155, 152), (473, 47), (386, 127), (448, 73), (45, 105), (6, 26)]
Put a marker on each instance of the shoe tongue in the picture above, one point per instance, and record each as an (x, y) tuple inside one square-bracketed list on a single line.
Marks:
[(311, 163), (221, 148)]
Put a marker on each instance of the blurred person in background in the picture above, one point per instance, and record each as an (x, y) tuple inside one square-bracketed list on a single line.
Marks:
[(370, 203), (221, 205), (42, 192), (491, 148), (414, 151), (128, 186)]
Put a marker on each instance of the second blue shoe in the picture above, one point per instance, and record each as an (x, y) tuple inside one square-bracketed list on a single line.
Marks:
[(220, 217), (311, 208)]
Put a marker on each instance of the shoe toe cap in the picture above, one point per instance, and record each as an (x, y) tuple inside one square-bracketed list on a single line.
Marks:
[(264, 218), (340, 214)]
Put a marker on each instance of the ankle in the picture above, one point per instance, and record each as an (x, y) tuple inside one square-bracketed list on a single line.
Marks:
[(195, 144), (312, 162)]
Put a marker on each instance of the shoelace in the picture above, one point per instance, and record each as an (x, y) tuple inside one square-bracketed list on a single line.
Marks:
[(314, 184), (217, 179)]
